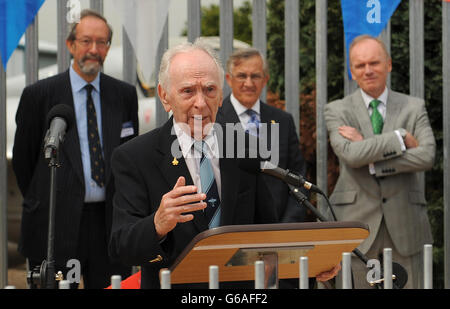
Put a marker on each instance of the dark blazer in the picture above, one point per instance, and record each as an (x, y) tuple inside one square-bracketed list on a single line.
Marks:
[(144, 172), (118, 105), (290, 156)]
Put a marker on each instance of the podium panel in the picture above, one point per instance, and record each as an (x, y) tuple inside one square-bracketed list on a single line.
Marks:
[(235, 249)]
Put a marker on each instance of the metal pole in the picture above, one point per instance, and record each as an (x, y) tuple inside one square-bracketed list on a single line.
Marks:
[(32, 53), (387, 267), (194, 20), (226, 36), (96, 5), (385, 36), (214, 277), (165, 279), (291, 60), (64, 285), (321, 99), (446, 135), (3, 183), (303, 269), (259, 275), (416, 48), (161, 115), (63, 55), (428, 266), (259, 32), (129, 59), (346, 270), (116, 282)]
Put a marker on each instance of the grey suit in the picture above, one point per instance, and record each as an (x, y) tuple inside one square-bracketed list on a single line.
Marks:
[(395, 193)]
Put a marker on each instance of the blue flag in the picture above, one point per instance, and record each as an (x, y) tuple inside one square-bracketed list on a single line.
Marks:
[(365, 17), (15, 16)]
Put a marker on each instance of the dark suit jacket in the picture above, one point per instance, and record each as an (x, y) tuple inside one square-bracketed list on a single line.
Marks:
[(144, 172), (118, 105), (290, 156)]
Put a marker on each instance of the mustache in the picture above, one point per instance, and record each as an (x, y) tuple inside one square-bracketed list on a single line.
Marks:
[(92, 57)]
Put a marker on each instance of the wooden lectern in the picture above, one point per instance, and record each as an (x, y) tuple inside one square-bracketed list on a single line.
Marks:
[(235, 249)]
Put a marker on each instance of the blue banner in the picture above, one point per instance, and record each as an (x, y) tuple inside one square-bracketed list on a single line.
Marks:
[(15, 16), (365, 17)]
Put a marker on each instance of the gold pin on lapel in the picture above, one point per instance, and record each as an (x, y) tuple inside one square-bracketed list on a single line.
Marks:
[(157, 259), (175, 161)]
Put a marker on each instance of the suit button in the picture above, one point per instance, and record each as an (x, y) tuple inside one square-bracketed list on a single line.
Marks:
[(384, 200)]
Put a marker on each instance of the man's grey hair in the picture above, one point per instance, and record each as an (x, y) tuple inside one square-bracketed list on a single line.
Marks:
[(199, 44), (244, 54)]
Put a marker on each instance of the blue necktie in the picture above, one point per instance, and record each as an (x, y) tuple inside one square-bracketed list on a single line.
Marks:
[(209, 186), (253, 124)]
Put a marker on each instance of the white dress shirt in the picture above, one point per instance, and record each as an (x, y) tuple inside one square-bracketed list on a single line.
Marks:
[(241, 110), (192, 156)]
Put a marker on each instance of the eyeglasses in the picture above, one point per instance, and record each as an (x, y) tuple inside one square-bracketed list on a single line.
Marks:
[(242, 77), (85, 42)]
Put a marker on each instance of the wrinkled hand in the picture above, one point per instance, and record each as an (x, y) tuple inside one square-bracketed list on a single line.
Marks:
[(330, 274), (350, 133), (181, 199)]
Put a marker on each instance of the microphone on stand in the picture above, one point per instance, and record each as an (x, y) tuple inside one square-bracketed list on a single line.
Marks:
[(60, 118)]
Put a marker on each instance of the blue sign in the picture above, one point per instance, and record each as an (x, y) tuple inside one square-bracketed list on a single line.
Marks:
[(15, 16), (365, 17)]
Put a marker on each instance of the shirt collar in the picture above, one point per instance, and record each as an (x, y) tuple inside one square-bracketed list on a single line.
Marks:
[(78, 83), (382, 98), (241, 109), (186, 141)]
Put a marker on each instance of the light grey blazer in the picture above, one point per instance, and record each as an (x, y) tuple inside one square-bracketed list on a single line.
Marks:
[(395, 192)]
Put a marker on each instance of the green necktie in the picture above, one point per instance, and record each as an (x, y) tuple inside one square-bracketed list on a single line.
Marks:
[(376, 118)]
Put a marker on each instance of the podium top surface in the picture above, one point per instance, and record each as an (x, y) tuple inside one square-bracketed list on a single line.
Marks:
[(325, 241)]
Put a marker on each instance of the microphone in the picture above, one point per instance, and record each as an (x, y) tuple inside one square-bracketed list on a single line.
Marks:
[(59, 120), (256, 165), (287, 176)]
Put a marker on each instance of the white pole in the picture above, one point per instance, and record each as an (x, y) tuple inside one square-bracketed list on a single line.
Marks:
[(303, 269), (346, 270), (428, 266), (116, 282), (165, 279), (214, 277), (64, 285), (259, 275), (387, 266)]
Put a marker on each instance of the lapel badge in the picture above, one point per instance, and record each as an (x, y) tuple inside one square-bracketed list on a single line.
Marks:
[(175, 161)]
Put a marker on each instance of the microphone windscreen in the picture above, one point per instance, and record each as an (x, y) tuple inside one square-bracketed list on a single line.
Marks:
[(400, 274), (61, 110)]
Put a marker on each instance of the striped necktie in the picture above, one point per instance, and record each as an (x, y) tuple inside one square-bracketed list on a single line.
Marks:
[(209, 187), (253, 124), (95, 148), (376, 118)]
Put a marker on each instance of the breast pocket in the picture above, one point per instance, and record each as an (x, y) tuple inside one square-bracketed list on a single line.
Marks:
[(343, 198)]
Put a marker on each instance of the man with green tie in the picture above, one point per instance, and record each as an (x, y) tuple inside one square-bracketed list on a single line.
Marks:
[(383, 139)]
